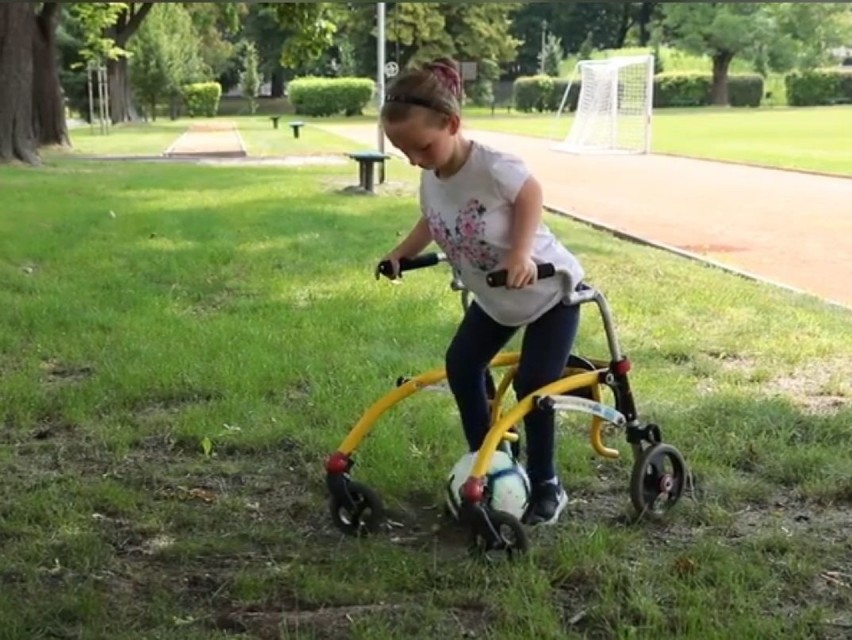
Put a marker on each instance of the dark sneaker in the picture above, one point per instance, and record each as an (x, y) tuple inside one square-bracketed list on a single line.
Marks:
[(547, 501)]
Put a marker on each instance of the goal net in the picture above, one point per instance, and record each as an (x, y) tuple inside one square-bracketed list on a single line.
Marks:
[(614, 106)]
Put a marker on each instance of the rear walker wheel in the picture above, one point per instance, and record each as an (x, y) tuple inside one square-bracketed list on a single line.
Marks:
[(658, 480)]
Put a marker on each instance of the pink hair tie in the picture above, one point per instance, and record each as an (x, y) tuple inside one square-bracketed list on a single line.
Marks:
[(447, 76)]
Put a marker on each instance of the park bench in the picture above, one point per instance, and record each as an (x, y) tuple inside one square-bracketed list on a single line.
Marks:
[(367, 161), (295, 125)]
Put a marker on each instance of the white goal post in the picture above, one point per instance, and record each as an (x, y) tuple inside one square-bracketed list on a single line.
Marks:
[(614, 108)]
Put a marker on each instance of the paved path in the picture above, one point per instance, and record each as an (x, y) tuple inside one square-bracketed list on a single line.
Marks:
[(790, 228), (209, 140)]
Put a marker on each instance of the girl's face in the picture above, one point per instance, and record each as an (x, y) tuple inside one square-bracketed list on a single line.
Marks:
[(424, 142)]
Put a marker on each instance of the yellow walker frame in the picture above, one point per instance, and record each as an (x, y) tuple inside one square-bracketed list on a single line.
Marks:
[(659, 472)]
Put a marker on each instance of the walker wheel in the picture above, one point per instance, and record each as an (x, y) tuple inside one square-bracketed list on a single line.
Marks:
[(358, 511), (658, 480), (498, 531)]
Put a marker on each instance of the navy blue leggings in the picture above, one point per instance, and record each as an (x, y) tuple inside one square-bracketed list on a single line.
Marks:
[(546, 345)]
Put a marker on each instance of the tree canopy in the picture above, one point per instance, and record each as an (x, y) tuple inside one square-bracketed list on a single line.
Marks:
[(161, 46)]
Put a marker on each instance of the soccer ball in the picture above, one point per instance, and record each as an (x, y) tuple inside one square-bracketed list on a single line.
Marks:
[(507, 486)]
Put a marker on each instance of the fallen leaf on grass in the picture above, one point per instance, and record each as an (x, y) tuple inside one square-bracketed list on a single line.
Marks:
[(835, 578), (203, 494), (685, 566)]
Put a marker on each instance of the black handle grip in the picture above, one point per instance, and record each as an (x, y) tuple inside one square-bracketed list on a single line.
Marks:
[(409, 264), (499, 278)]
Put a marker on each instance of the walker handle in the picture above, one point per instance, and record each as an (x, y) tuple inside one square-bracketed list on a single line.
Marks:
[(409, 264), (499, 278)]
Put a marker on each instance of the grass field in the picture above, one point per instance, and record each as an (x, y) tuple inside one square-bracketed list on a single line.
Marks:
[(810, 139), (154, 138), (182, 346)]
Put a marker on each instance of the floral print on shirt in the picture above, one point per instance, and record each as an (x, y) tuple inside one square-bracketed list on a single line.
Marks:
[(465, 239)]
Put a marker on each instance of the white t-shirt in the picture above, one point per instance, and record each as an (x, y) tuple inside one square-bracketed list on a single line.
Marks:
[(470, 216)]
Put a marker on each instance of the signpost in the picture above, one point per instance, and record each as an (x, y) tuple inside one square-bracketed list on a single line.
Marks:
[(380, 80)]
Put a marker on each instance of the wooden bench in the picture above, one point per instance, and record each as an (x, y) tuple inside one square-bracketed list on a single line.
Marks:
[(367, 161)]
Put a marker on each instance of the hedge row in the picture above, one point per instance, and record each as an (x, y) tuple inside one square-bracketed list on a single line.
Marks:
[(329, 96), (313, 96), (819, 87), (544, 93), (696, 89), (202, 99)]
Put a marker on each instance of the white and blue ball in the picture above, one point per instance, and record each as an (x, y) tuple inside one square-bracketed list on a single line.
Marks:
[(507, 484)]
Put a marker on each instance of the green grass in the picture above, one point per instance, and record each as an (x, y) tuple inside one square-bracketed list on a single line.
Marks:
[(154, 138), (794, 138), (262, 140), (151, 138), (237, 307), (802, 138)]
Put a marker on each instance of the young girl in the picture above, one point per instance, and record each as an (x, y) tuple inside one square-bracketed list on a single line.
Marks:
[(483, 208)]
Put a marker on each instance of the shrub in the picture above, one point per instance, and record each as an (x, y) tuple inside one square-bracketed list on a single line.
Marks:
[(202, 99), (533, 93), (695, 89), (690, 89), (745, 89), (329, 96), (818, 87)]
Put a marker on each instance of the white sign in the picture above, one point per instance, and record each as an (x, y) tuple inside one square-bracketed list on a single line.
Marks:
[(468, 70), (391, 69)]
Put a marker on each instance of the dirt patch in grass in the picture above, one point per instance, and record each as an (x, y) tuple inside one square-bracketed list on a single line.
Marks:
[(388, 189), (162, 406), (201, 525), (816, 387), (335, 623), (56, 372)]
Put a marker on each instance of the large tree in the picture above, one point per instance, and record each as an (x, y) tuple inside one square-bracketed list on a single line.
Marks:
[(31, 105), (807, 33), (120, 92), (418, 31), (292, 38), (17, 135), (48, 104), (721, 30), (33, 101)]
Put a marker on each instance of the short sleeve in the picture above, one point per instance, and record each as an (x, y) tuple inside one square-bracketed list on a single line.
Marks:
[(510, 173)]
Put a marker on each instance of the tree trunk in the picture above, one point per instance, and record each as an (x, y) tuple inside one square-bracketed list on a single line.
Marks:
[(17, 138), (48, 100), (624, 26), (121, 105), (277, 89), (122, 108), (646, 15), (721, 62)]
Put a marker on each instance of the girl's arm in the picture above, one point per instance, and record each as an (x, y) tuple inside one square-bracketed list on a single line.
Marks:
[(416, 240), (526, 217)]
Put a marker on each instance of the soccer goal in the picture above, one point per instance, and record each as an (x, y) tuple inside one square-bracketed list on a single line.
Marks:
[(614, 106)]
